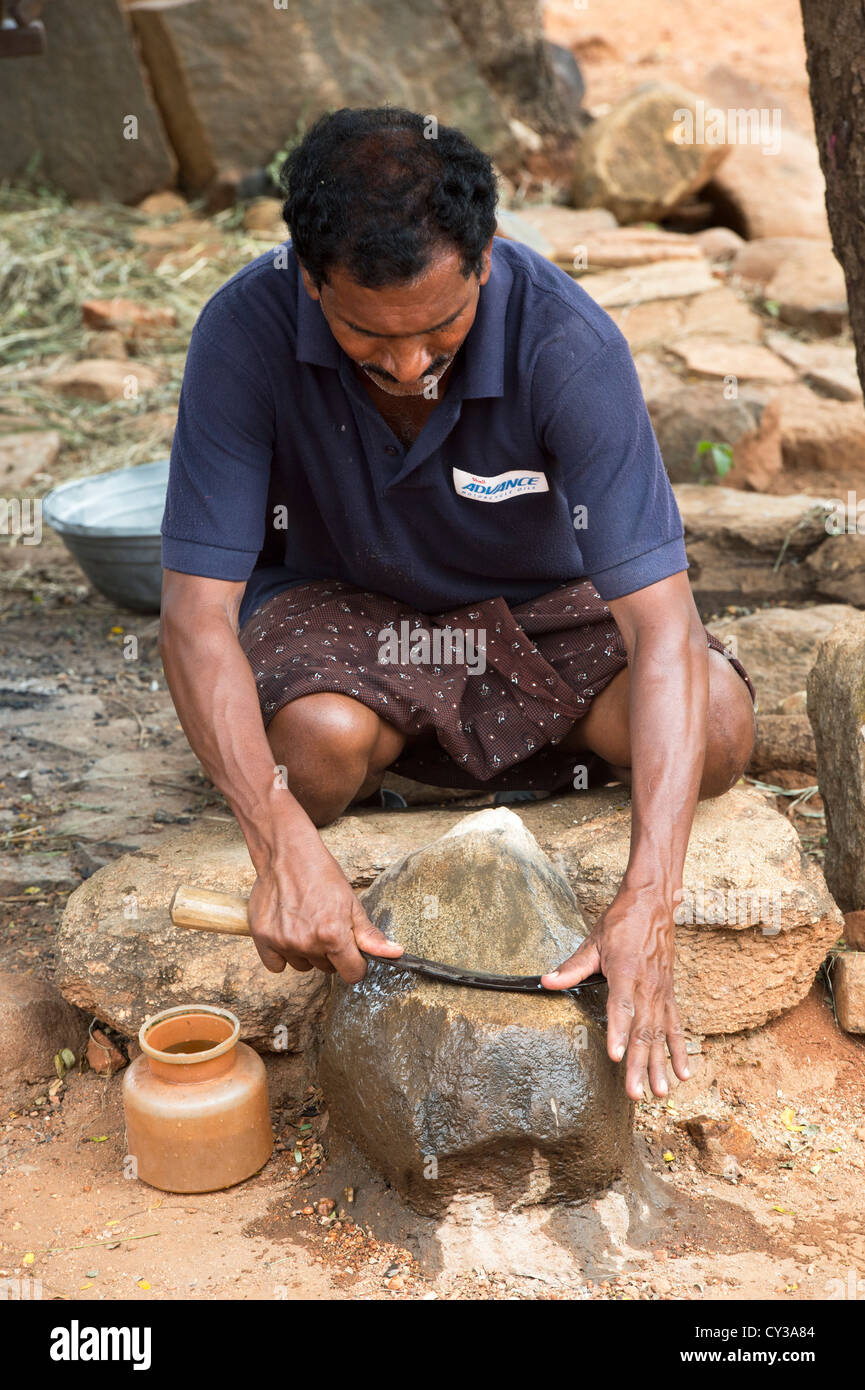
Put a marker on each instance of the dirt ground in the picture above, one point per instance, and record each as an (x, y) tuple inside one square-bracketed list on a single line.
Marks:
[(110, 768)]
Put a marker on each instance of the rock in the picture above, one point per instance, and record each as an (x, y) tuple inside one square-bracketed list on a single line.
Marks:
[(810, 291), (567, 77), (156, 425), (784, 740), (513, 226), (820, 435), (23, 455), (828, 366), (783, 194), (163, 204), (133, 320), (664, 280), (723, 1145), (627, 246), (554, 231), (768, 919), (104, 379), (103, 1055), (451, 1090), (854, 930), (658, 323), (35, 1024), (237, 89), (263, 217), (838, 567), (686, 415), (46, 873), (657, 382), (836, 707), (747, 549), (505, 38), (848, 985), (107, 342), (652, 324), (120, 957), (74, 105), (631, 162), (121, 969), (719, 243), (797, 703), (757, 262), (749, 361), (588, 239), (722, 313), (183, 233), (778, 647)]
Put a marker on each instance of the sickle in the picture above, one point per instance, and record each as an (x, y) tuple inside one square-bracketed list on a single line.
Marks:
[(204, 910)]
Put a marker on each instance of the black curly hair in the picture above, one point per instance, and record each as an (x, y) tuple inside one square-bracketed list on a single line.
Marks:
[(377, 189)]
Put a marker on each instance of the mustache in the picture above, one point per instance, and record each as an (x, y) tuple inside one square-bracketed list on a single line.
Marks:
[(434, 366)]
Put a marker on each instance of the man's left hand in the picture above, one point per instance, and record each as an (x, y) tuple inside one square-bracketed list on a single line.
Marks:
[(633, 946)]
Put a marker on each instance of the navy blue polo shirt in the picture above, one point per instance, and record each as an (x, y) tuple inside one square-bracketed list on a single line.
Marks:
[(538, 466)]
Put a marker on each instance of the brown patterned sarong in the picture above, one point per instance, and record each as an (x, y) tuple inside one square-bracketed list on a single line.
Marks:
[(485, 692)]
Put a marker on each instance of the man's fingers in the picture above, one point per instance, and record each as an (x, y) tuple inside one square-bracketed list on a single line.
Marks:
[(658, 1066), (270, 958), (275, 959), (369, 938), (584, 962), (637, 1064), (620, 1019), (677, 1043), (323, 964)]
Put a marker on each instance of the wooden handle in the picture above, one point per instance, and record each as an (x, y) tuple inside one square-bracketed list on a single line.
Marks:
[(203, 910)]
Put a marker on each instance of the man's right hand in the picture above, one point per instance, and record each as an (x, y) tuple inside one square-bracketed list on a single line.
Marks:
[(304, 913)]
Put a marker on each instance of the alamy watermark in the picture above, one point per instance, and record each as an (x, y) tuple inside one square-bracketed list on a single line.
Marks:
[(710, 125), (437, 646), (21, 518)]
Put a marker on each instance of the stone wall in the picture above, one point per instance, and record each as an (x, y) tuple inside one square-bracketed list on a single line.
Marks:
[(217, 87)]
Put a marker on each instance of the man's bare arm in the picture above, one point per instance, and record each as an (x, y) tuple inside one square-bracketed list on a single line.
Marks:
[(634, 941), (302, 908)]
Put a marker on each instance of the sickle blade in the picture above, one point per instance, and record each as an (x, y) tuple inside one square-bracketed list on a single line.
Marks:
[(475, 979)]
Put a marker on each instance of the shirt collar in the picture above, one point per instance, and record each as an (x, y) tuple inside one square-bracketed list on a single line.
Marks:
[(483, 351)]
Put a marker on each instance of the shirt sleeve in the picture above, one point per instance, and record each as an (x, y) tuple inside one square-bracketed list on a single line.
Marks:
[(626, 522), (216, 507)]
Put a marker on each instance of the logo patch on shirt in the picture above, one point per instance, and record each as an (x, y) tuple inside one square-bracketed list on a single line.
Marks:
[(517, 483)]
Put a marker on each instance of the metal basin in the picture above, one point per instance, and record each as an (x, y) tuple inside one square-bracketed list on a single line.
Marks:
[(110, 523)]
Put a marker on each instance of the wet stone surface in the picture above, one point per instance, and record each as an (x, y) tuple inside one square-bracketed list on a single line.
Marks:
[(450, 1090)]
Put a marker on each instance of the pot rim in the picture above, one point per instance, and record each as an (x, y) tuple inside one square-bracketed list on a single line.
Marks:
[(185, 1059)]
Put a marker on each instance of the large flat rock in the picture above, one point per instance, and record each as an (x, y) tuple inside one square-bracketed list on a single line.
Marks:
[(631, 161), (122, 968), (756, 918), (35, 1024), (778, 646), (747, 549), (120, 957), (71, 106), (236, 79)]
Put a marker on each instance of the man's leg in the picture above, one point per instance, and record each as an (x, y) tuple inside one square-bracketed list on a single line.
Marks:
[(334, 749), (730, 732)]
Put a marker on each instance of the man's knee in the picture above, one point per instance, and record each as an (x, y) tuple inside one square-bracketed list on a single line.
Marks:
[(731, 727), (330, 747), (328, 729)]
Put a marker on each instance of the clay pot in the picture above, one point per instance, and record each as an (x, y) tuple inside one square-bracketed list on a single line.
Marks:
[(197, 1113)]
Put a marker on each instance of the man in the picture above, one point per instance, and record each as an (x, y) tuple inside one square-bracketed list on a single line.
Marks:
[(399, 430)]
